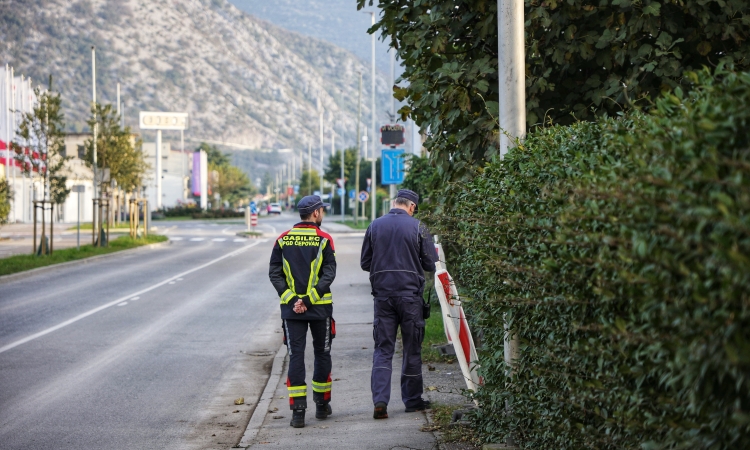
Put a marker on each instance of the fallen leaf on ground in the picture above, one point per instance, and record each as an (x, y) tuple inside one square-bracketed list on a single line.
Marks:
[(323, 426), (337, 379), (430, 428), (282, 397), (240, 401), (278, 417), (236, 411), (431, 388), (430, 368), (273, 410)]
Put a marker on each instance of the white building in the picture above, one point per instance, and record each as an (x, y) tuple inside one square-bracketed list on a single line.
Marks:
[(176, 169)]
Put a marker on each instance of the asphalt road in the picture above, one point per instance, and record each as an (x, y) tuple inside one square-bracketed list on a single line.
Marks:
[(147, 349)]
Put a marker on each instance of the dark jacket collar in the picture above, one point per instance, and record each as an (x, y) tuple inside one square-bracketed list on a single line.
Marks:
[(397, 211), (306, 225)]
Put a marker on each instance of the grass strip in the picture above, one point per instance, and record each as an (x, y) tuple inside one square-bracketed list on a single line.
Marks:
[(87, 226), (21, 263), (434, 332)]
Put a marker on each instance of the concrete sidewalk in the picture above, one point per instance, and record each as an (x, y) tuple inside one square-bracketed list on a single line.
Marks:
[(351, 426)]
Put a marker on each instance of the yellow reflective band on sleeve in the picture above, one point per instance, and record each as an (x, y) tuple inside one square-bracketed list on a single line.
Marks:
[(288, 274), (297, 391), (286, 296), (316, 299), (321, 387)]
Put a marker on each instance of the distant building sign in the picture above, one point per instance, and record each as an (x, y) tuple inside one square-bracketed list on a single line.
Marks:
[(392, 135), (150, 120)]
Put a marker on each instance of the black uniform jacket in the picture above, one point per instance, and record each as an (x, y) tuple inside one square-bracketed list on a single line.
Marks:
[(303, 266), (397, 250)]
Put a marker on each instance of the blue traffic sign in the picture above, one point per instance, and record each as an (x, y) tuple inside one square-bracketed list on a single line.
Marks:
[(340, 191), (363, 196), (352, 194), (392, 166)]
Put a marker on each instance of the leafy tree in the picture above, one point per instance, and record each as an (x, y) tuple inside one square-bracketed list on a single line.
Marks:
[(333, 171), (214, 156), (232, 184), (308, 178), (583, 59), (40, 143), (5, 197), (116, 149)]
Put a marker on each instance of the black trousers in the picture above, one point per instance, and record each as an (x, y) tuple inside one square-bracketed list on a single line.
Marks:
[(295, 333)]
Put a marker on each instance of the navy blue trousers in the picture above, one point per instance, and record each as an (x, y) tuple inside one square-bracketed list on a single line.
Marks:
[(390, 314)]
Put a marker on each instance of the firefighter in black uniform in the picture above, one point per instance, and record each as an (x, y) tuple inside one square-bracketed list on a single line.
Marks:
[(303, 266)]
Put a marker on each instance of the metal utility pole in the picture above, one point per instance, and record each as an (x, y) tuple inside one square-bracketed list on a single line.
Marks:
[(93, 102), (343, 179), (512, 109), (374, 189), (182, 157), (320, 123), (7, 122), (359, 152), (309, 168), (364, 139)]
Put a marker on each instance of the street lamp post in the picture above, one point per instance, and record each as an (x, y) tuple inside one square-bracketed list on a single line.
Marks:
[(512, 113), (359, 152)]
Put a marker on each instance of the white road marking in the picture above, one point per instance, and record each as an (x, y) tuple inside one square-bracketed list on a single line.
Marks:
[(171, 282), (122, 304), (196, 239), (218, 240), (134, 299), (240, 240), (122, 299), (175, 239)]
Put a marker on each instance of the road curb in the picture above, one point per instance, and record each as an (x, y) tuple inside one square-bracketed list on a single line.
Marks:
[(259, 414), (38, 270)]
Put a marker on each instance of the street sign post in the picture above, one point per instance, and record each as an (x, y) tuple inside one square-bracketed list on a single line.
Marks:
[(392, 166), (364, 196)]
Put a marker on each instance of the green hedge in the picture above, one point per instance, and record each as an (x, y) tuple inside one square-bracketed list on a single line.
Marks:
[(620, 251)]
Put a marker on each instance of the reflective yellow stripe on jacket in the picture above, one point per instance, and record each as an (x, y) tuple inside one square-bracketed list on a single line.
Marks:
[(315, 266)]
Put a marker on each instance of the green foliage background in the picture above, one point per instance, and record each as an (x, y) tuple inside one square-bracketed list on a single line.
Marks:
[(619, 251), (5, 198), (583, 59)]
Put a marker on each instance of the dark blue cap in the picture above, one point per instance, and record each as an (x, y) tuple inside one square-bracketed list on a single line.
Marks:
[(310, 204), (409, 195)]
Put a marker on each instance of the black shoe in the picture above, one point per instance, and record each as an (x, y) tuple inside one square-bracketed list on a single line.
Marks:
[(298, 418), (323, 411), (425, 404), (381, 411)]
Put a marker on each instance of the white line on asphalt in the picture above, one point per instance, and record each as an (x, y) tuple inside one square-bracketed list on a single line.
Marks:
[(175, 239), (120, 300), (218, 240), (122, 304), (196, 239), (240, 240), (134, 299)]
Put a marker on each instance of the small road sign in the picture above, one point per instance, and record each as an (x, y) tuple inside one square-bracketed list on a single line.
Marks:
[(364, 196), (340, 191), (392, 166), (352, 194), (254, 220)]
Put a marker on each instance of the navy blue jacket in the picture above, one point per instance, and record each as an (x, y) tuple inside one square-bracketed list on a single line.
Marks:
[(397, 250)]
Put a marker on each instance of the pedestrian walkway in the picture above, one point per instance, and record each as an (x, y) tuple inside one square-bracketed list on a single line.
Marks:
[(351, 426)]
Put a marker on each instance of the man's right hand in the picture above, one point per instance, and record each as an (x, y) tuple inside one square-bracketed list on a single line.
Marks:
[(299, 307)]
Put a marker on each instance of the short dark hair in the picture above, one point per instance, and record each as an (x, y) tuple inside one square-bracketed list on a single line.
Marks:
[(305, 216)]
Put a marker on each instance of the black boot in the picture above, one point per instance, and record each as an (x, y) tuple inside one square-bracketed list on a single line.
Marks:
[(323, 410), (381, 411), (298, 418)]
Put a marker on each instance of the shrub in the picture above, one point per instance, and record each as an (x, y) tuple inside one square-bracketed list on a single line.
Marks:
[(620, 251)]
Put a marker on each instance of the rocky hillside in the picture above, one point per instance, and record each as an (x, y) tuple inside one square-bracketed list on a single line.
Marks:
[(244, 82)]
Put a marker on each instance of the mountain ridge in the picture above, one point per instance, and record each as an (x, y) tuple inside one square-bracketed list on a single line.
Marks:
[(244, 81)]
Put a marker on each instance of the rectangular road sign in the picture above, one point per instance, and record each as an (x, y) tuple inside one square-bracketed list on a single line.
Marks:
[(152, 120), (392, 166)]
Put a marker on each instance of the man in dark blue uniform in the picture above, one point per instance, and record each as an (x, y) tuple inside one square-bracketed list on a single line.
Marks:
[(397, 250), (302, 268)]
